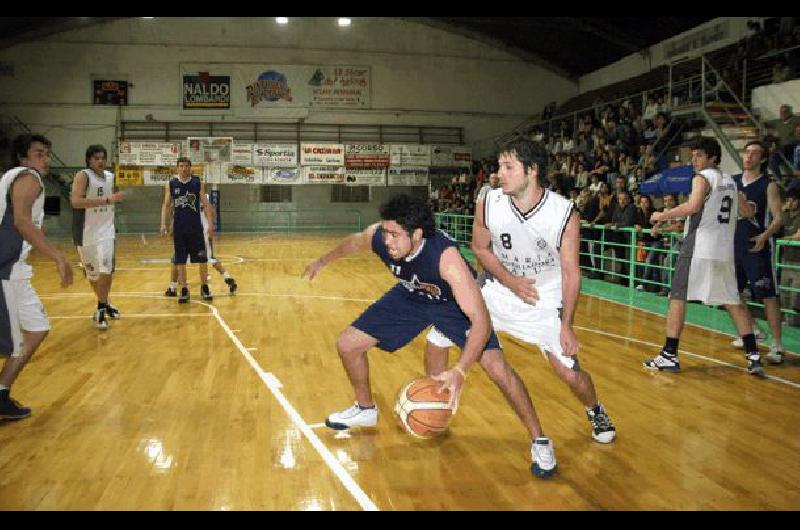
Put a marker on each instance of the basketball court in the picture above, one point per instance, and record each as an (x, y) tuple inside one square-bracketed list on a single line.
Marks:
[(220, 405)]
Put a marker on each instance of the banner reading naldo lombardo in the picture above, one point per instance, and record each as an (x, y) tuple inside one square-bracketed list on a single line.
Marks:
[(204, 90)]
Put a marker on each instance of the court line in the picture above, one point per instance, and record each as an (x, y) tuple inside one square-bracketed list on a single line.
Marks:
[(711, 359), (274, 386), (137, 315), (664, 317)]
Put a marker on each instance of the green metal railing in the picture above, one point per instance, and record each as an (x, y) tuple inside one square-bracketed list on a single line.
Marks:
[(626, 256)]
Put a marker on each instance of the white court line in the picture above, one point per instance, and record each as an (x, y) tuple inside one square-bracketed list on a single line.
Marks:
[(316, 425), (662, 316), (139, 315), (274, 386), (711, 359), (157, 294)]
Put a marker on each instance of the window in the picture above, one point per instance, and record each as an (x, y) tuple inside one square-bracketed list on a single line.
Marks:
[(276, 193), (342, 193)]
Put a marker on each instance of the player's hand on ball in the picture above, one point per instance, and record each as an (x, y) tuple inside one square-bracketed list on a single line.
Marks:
[(453, 381)]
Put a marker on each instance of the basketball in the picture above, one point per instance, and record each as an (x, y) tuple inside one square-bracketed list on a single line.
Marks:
[(421, 409)]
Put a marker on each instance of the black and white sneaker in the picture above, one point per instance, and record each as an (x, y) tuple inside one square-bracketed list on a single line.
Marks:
[(10, 409), (100, 320), (664, 362), (112, 312), (602, 429), (754, 366), (543, 456), (205, 293), (184, 297), (231, 285), (171, 292)]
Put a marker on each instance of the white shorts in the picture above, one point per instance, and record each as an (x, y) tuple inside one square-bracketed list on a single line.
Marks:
[(712, 282), (522, 321), (97, 258), (20, 309)]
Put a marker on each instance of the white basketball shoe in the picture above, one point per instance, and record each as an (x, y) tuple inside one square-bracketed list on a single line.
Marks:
[(544, 457), (355, 416)]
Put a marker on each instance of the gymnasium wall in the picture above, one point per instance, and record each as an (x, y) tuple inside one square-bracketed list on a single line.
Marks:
[(419, 76)]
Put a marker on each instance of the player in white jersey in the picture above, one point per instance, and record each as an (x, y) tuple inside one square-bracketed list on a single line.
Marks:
[(172, 290), (705, 268), (23, 321), (525, 234), (93, 232)]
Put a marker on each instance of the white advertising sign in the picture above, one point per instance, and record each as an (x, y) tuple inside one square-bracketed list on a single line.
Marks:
[(280, 155), (324, 175), (242, 175), (410, 155), (365, 177), (321, 154), (451, 156), (149, 153), (284, 175), (242, 154), (408, 176)]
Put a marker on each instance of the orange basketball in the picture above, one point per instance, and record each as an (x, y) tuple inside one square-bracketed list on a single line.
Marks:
[(421, 409)]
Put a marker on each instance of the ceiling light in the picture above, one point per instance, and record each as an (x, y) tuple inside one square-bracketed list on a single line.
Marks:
[(282, 20), (344, 21)]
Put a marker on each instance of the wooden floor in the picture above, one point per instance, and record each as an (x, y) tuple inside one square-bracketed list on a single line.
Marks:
[(218, 407)]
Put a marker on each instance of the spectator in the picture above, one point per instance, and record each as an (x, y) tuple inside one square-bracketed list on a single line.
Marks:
[(791, 256), (645, 238), (785, 127), (650, 109), (623, 215), (595, 186), (781, 71), (493, 183)]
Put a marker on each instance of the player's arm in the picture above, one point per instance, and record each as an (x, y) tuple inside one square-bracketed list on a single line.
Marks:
[(453, 269), (207, 208), (24, 191), (775, 205), (482, 247), (77, 196), (166, 211), (353, 243), (570, 283), (700, 189)]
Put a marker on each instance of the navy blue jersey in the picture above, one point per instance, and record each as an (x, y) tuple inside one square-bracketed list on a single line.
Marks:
[(186, 202), (756, 194), (420, 274)]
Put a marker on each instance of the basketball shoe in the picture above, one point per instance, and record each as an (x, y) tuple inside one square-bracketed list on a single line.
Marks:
[(544, 457), (205, 293), (112, 311), (760, 336), (355, 416), (664, 363), (171, 292), (10, 409), (231, 285), (184, 297), (754, 366), (100, 320), (775, 355), (602, 429)]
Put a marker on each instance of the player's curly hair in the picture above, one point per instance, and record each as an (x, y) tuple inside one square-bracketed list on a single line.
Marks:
[(92, 149), (710, 146), (410, 212), (529, 152)]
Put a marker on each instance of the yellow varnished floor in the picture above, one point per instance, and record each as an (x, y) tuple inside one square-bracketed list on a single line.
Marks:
[(191, 407)]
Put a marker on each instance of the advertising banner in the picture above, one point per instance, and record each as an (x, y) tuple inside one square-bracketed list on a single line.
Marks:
[(149, 153), (242, 154), (277, 155), (366, 155), (241, 175), (321, 154), (408, 176), (365, 177), (324, 175), (159, 175), (284, 175), (451, 156), (210, 149), (410, 155), (128, 176), (204, 90)]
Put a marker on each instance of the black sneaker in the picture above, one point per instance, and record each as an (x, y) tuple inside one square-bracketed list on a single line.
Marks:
[(754, 366), (231, 285), (171, 292), (602, 429), (100, 320), (112, 312), (206, 293), (184, 297), (10, 409)]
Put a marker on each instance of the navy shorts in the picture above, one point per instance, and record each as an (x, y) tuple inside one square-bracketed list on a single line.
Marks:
[(189, 244), (755, 268), (395, 320)]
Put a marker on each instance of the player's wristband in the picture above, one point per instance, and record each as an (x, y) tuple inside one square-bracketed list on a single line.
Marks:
[(459, 370)]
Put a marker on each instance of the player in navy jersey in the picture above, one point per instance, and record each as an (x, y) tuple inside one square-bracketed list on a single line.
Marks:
[(183, 196), (436, 286), (753, 241)]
